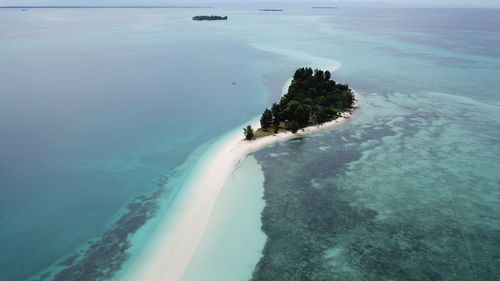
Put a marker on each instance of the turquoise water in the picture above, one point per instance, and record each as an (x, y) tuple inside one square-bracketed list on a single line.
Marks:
[(99, 108), (409, 189), (238, 208), (98, 120)]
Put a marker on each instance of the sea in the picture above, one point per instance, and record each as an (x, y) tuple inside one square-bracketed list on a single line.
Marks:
[(105, 113)]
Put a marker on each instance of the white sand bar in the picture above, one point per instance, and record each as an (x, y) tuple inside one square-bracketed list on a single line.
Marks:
[(233, 241), (176, 240), (180, 237)]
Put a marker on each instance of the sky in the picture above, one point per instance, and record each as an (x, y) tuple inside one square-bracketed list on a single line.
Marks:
[(443, 3)]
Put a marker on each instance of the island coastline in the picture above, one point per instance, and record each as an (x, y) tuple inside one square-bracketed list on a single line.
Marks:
[(170, 259), (177, 239), (209, 18)]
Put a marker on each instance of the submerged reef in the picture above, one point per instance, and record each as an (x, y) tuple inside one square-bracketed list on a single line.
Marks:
[(303, 212), (44, 276), (337, 208), (69, 260), (106, 255)]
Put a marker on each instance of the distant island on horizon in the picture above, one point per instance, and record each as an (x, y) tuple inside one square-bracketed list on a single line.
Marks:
[(209, 18), (271, 10), (313, 98), (102, 7), (325, 7)]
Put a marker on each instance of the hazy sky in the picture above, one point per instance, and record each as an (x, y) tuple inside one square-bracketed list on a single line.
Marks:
[(448, 3)]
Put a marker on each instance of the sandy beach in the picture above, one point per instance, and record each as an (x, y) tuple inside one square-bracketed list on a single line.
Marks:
[(168, 260), (176, 241)]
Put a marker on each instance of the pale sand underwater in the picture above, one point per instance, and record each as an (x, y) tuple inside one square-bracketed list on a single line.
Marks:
[(233, 241)]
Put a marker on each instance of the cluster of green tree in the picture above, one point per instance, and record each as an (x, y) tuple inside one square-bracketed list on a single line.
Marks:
[(200, 18), (248, 132), (312, 98)]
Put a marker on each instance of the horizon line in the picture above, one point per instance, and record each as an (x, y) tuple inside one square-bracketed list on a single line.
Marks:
[(105, 7)]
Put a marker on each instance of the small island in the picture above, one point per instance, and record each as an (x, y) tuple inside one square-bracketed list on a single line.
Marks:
[(270, 10), (327, 7), (201, 18), (313, 98)]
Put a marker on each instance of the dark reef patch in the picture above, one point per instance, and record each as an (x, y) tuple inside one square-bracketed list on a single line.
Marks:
[(327, 217), (303, 209), (106, 254), (69, 260), (44, 276)]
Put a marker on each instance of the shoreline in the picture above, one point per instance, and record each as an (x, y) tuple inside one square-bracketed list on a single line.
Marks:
[(262, 142), (177, 238), (233, 240), (180, 238)]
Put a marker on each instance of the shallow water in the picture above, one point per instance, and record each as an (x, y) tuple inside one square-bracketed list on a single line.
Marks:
[(233, 241), (407, 191)]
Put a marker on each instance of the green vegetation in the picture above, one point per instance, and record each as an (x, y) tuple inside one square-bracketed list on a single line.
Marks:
[(248, 132), (277, 128), (200, 18), (312, 98), (267, 119)]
